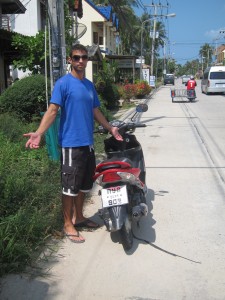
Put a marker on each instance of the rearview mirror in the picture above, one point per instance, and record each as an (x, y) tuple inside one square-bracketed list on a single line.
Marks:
[(141, 107)]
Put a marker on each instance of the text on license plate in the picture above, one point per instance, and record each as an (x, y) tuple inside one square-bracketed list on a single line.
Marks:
[(116, 195)]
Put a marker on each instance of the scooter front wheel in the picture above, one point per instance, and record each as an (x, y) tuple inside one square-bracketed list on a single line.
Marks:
[(126, 234)]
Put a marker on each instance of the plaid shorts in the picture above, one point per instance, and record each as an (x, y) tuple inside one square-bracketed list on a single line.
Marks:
[(77, 169)]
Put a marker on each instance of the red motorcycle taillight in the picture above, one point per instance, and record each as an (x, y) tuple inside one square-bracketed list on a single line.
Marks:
[(110, 177)]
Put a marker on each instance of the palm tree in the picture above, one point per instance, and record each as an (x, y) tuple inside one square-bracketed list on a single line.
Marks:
[(206, 53)]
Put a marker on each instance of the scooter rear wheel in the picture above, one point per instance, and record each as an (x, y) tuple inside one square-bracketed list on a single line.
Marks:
[(126, 234)]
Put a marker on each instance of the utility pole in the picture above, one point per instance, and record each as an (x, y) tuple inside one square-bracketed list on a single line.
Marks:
[(164, 57), (57, 33), (155, 15), (57, 53)]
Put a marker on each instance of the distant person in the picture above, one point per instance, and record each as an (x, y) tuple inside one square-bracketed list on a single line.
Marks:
[(79, 103), (191, 84)]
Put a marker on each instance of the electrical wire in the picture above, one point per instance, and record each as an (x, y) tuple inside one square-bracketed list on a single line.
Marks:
[(139, 3)]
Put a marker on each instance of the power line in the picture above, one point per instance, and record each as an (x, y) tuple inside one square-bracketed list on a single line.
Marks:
[(140, 3), (192, 43)]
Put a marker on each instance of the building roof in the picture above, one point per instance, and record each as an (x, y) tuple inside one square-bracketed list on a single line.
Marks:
[(94, 53), (106, 12), (12, 7)]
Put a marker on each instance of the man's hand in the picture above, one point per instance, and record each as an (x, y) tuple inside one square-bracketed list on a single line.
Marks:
[(116, 134), (34, 140)]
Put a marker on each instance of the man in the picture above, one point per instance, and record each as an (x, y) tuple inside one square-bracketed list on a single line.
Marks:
[(79, 103), (191, 84)]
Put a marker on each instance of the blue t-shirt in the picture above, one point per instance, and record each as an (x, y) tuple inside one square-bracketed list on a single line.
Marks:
[(77, 99)]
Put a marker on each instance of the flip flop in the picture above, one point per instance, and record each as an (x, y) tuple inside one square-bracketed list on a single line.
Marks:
[(87, 223), (69, 235)]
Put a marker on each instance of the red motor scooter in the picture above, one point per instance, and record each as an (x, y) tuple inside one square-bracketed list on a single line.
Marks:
[(122, 178)]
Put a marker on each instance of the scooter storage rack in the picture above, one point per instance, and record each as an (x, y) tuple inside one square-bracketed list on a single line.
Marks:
[(181, 94)]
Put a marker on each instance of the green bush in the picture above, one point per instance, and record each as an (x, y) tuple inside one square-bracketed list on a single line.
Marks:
[(30, 190), (30, 197), (104, 83), (108, 92), (104, 109), (11, 128), (26, 98), (111, 95)]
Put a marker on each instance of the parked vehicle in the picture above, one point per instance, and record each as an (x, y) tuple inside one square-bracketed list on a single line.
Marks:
[(122, 178), (185, 78), (169, 79), (213, 80)]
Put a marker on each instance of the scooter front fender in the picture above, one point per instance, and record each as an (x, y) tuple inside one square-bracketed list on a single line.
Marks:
[(114, 217)]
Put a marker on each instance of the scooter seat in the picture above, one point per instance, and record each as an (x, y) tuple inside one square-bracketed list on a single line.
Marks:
[(114, 165)]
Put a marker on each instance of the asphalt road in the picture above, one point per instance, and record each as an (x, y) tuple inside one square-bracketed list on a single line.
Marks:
[(184, 147)]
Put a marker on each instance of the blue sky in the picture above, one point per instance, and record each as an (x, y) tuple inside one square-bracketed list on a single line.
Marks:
[(197, 22)]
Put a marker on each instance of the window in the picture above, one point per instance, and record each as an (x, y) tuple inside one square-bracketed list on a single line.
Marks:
[(43, 15), (95, 37), (217, 75), (101, 40)]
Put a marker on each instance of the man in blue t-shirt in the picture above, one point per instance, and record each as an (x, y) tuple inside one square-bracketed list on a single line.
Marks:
[(76, 97)]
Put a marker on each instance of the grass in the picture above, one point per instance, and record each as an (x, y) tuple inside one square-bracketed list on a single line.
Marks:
[(30, 195), (30, 200)]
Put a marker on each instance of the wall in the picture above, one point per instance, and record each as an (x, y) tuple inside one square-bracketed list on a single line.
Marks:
[(89, 15), (28, 23)]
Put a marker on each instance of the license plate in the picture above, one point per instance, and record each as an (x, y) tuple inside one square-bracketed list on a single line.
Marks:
[(116, 195)]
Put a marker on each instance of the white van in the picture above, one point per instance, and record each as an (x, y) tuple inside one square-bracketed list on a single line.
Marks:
[(213, 80)]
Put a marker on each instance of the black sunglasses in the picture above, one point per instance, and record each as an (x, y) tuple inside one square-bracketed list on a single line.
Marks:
[(78, 57)]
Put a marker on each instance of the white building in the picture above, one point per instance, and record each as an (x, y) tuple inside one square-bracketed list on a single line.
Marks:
[(8, 8), (28, 24), (32, 21), (102, 30), (100, 21)]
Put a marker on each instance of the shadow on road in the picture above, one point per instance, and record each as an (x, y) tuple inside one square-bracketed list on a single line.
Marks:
[(144, 231)]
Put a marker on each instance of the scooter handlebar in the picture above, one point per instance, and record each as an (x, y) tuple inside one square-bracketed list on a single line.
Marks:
[(126, 126), (140, 125)]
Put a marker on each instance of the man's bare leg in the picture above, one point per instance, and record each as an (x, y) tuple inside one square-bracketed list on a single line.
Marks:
[(78, 216), (68, 205), (78, 208)]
